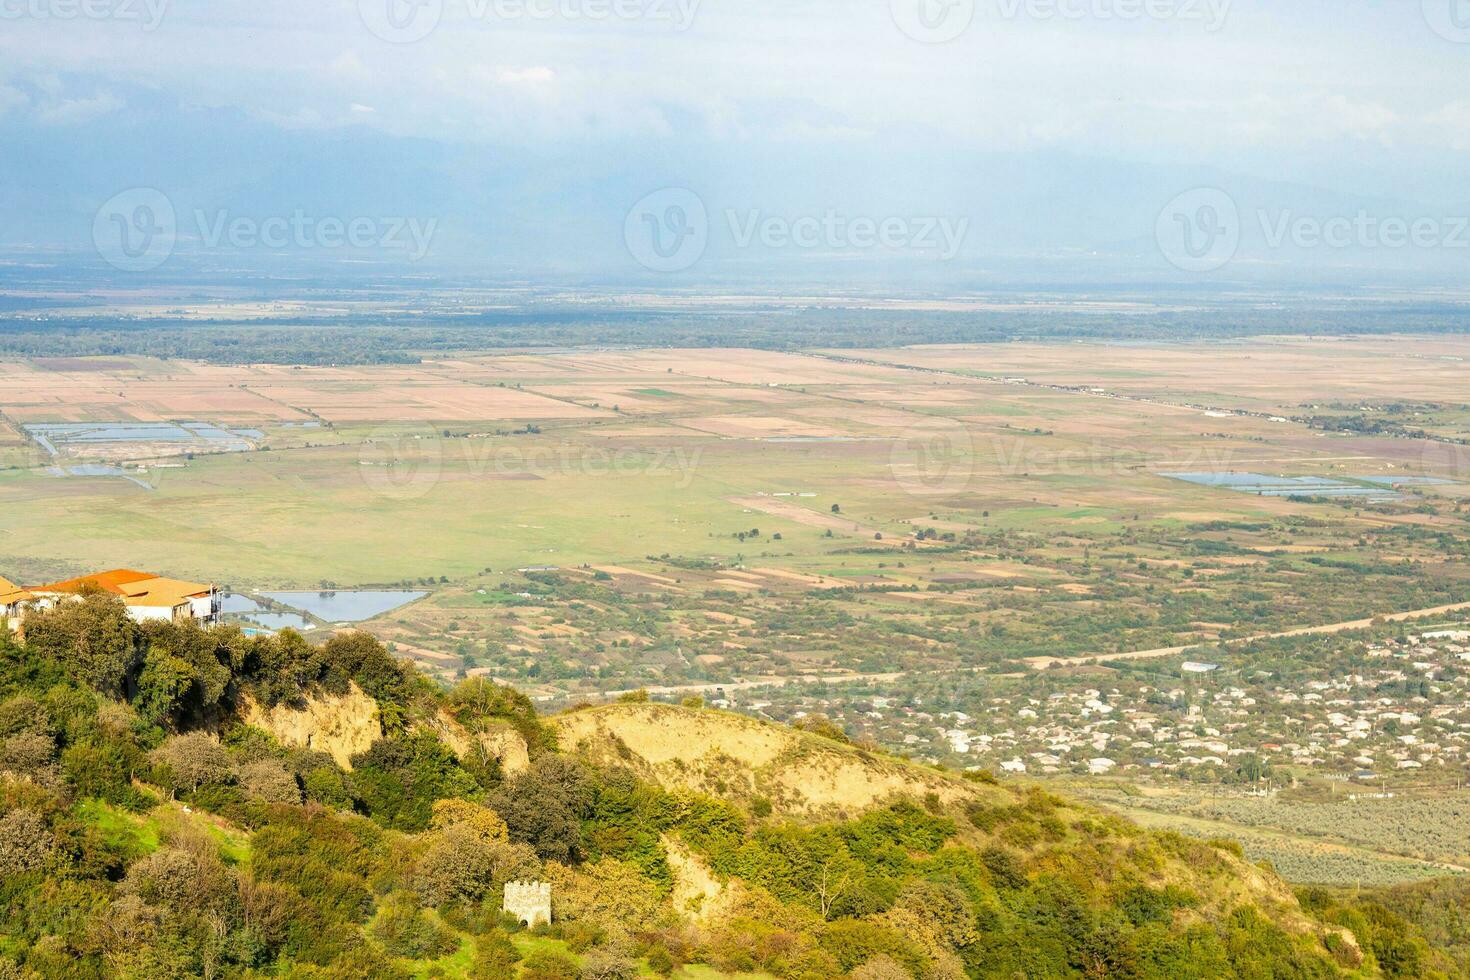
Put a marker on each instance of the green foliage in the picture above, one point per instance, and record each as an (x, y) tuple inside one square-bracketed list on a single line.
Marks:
[(548, 965), (545, 806), (329, 860), (399, 778), (407, 931), (1029, 886), (495, 955), (95, 641), (360, 658)]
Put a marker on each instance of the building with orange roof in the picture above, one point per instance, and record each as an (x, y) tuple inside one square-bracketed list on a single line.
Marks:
[(146, 595), (14, 602)]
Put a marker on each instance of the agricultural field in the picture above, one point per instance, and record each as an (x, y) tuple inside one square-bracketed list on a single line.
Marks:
[(760, 517)]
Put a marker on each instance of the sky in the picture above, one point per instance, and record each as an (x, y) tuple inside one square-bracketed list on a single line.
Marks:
[(523, 135)]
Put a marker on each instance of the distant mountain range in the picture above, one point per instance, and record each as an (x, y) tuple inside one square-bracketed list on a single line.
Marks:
[(798, 211)]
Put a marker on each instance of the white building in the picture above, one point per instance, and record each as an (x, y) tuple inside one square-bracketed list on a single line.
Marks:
[(146, 596), (14, 603)]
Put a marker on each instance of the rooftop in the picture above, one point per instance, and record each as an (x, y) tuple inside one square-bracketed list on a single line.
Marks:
[(135, 588), (10, 592)]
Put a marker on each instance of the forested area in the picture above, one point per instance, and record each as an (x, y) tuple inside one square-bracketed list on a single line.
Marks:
[(146, 832), (426, 328)]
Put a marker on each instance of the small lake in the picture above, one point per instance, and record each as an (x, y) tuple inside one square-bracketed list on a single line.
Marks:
[(1263, 485), (234, 602), (345, 607), (97, 469), (52, 435), (280, 621)]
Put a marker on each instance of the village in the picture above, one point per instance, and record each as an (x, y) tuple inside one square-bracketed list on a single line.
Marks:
[(1361, 711), (1352, 710)]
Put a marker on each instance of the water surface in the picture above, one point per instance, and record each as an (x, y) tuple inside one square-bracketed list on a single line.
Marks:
[(345, 607)]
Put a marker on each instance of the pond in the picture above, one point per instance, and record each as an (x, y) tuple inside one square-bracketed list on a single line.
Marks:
[(97, 469), (345, 607), (280, 621), (52, 435), (234, 602), (1286, 486)]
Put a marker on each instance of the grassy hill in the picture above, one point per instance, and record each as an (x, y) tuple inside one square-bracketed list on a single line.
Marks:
[(178, 803), (741, 759)]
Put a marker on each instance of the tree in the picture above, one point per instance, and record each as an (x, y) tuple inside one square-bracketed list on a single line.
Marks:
[(93, 639), (190, 761), (163, 686), (544, 806), (398, 779), (608, 893), (360, 657), (881, 968), (269, 781), (469, 855), (26, 843)]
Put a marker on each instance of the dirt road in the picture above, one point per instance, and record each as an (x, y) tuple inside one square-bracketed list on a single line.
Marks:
[(1041, 663)]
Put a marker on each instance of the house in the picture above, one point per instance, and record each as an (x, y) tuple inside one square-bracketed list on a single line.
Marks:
[(146, 596), (14, 601)]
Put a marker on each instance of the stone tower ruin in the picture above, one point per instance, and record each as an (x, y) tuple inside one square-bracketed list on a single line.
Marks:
[(528, 901)]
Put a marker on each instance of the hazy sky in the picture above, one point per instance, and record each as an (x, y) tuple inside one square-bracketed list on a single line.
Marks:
[(1353, 96)]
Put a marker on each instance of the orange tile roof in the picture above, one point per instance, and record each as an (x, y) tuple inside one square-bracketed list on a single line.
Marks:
[(135, 588), (112, 581), (11, 593)]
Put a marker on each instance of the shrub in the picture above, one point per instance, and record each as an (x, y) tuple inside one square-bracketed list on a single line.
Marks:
[(399, 779), (186, 762), (495, 955), (180, 880), (606, 964), (881, 968), (26, 843), (407, 931), (269, 781), (23, 714), (102, 767), (27, 752), (660, 960), (330, 786), (548, 965), (1005, 866)]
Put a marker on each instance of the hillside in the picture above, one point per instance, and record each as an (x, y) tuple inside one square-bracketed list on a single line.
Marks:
[(740, 758), (176, 802)]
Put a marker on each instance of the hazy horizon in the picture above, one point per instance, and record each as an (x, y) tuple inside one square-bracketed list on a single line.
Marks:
[(936, 143)]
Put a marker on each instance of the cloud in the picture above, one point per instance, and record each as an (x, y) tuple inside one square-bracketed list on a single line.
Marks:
[(11, 99), (522, 76)]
